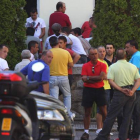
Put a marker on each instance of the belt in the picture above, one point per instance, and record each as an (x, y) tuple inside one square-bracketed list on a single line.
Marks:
[(128, 86)]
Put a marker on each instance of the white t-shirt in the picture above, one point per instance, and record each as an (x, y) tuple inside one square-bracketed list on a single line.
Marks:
[(32, 58), (77, 45), (37, 25), (3, 64), (47, 43)]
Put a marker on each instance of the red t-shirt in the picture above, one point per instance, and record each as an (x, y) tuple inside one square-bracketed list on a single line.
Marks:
[(98, 68), (71, 53), (86, 29), (58, 17)]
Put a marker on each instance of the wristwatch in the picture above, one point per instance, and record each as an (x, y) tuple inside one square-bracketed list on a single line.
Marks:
[(87, 78)]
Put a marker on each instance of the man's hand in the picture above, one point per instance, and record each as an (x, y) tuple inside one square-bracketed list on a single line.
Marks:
[(127, 92), (84, 78)]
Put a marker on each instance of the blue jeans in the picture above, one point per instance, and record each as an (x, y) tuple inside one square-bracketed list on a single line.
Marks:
[(62, 83)]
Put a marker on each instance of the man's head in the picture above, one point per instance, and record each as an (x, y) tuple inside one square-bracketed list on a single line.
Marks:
[(93, 54), (101, 52), (56, 28), (33, 13), (53, 41), (25, 54), (131, 47), (62, 42), (76, 31), (3, 51), (109, 49), (30, 31), (47, 56), (33, 47), (61, 7), (91, 22), (65, 30), (120, 54)]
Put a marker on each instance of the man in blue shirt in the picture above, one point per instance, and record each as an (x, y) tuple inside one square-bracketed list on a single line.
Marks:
[(131, 47), (41, 76)]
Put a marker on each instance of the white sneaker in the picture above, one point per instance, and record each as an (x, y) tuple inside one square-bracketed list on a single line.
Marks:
[(98, 131), (111, 134), (72, 116)]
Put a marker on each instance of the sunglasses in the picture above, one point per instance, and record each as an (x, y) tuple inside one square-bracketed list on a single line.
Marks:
[(93, 69)]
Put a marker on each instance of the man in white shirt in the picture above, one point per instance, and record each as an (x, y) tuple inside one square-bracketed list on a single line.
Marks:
[(33, 47), (76, 45), (25, 55), (3, 54), (38, 24)]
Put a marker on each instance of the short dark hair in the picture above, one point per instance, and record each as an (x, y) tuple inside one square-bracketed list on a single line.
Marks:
[(33, 10), (77, 30), (109, 44), (133, 43), (53, 41), (63, 38), (31, 44), (2, 45), (30, 31), (65, 30), (59, 5), (120, 53)]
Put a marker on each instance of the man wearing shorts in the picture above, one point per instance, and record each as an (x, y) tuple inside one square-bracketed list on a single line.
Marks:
[(93, 74)]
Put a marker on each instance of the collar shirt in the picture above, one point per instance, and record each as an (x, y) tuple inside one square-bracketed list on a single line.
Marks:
[(38, 24)]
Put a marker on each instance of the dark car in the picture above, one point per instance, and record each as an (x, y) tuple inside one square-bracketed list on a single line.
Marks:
[(54, 121)]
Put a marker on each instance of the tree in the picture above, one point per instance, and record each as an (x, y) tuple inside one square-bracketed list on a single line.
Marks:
[(12, 29), (117, 21)]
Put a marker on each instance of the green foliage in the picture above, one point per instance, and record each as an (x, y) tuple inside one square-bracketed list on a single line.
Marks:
[(12, 29), (117, 22)]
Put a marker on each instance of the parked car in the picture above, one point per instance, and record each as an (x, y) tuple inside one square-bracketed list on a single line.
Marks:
[(54, 121)]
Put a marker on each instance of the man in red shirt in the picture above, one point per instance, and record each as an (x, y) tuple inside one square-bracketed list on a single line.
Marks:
[(93, 74), (62, 44), (59, 17)]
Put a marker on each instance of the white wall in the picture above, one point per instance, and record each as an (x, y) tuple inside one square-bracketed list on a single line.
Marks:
[(77, 10)]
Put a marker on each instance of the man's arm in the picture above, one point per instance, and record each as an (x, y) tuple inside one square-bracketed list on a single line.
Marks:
[(76, 57), (42, 32), (70, 65), (46, 88)]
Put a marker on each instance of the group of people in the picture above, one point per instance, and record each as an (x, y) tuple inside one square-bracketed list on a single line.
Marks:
[(110, 81)]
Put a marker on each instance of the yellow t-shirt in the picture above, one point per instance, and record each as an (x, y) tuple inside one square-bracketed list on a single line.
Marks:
[(59, 64), (106, 83)]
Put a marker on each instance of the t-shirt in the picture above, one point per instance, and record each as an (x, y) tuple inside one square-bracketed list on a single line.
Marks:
[(41, 76), (38, 24), (47, 43), (98, 68), (106, 83), (135, 59), (3, 64), (86, 28), (32, 58), (71, 53), (77, 45), (58, 17), (59, 64)]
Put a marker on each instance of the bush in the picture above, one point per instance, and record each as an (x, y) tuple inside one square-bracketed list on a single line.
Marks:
[(117, 21), (12, 30)]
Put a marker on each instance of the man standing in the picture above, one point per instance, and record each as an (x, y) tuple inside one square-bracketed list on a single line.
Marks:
[(25, 55), (38, 24), (124, 77), (43, 75), (131, 47), (33, 47), (93, 74), (3, 54), (60, 17), (101, 54), (62, 44), (59, 73)]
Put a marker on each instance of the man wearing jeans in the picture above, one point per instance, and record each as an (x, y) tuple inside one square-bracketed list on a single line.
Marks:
[(59, 73), (124, 77)]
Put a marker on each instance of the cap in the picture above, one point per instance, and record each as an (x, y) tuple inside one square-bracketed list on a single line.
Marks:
[(56, 27)]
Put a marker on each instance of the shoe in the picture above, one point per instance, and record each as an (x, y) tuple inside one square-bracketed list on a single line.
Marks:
[(85, 136), (72, 116), (98, 131), (111, 134)]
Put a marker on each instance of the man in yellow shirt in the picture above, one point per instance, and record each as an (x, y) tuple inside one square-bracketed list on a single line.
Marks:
[(59, 73)]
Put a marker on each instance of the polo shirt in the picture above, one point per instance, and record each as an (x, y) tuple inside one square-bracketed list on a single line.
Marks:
[(59, 64), (98, 68), (106, 83), (123, 73), (135, 60), (58, 17), (41, 76)]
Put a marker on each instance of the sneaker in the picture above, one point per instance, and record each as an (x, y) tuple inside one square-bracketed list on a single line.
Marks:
[(98, 131), (111, 134), (72, 116), (85, 136)]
